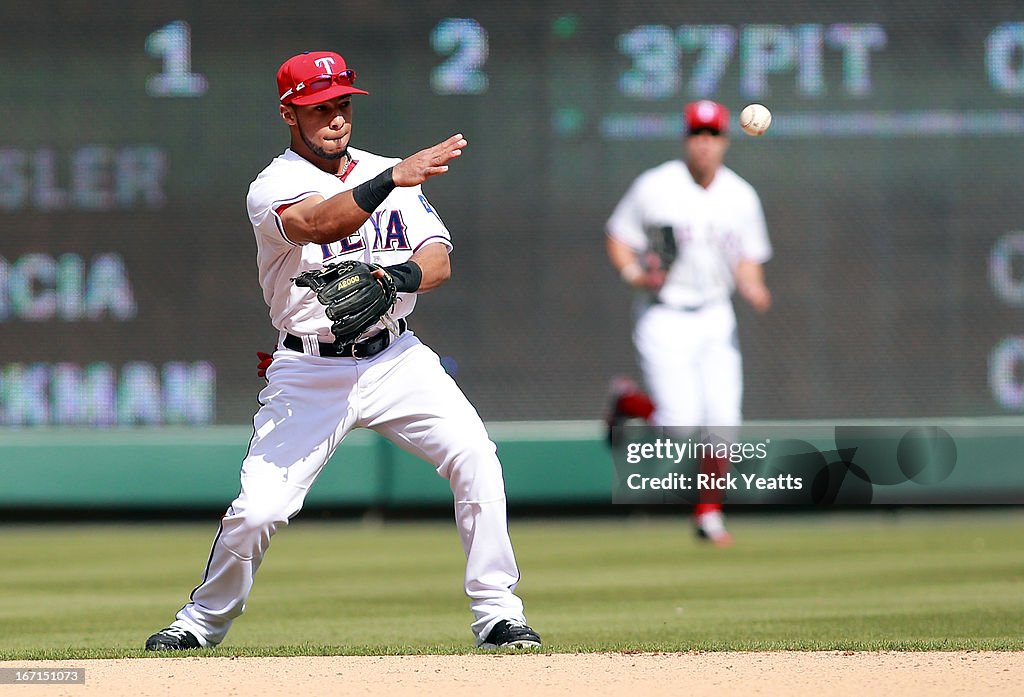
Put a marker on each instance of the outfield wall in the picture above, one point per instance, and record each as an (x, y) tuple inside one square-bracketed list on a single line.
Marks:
[(167, 467), (545, 463)]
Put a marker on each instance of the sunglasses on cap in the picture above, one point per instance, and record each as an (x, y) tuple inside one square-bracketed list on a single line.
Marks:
[(320, 83)]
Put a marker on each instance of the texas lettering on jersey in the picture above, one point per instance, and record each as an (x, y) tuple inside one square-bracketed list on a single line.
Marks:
[(390, 234)]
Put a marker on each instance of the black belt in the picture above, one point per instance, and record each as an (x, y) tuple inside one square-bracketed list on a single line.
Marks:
[(680, 308), (362, 349)]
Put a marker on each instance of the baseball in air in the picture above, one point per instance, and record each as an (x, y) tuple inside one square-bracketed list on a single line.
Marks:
[(755, 119)]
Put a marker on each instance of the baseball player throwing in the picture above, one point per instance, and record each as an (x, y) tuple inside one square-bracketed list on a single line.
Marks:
[(322, 201), (685, 235)]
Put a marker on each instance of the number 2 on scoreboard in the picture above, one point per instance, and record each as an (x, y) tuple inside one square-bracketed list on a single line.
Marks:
[(465, 41)]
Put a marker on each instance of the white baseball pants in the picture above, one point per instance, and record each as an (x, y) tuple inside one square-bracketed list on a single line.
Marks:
[(691, 364), (309, 405)]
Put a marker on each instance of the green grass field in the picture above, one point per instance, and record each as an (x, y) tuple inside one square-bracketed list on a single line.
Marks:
[(914, 580)]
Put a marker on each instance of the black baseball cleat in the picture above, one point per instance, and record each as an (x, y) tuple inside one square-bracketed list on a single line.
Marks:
[(511, 634), (173, 639)]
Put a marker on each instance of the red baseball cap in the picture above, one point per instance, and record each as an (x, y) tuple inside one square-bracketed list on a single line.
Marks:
[(706, 115), (313, 77)]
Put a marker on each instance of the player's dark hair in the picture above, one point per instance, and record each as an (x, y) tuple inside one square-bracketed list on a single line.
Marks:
[(704, 129)]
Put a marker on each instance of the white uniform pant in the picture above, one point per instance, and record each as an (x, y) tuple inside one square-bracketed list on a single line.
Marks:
[(308, 407), (691, 365)]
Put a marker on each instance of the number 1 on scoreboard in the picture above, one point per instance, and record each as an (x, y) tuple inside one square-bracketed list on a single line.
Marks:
[(173, 43)]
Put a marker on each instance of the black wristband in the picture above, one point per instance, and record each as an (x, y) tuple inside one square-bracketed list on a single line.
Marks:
[(371, 194), (407, 275)]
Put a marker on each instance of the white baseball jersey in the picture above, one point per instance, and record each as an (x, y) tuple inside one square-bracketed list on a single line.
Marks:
[(714, 229), (402, 224)]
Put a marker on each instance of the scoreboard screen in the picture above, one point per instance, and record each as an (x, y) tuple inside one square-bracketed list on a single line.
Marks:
[(890, 178)]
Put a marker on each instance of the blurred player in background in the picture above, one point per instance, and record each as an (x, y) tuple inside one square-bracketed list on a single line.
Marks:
[(322, 201), (687, 234)]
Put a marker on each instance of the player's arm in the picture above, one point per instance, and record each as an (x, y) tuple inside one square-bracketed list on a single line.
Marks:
[(318, 220), (628, 263), (425, 270), (435, 266), (751, 286)]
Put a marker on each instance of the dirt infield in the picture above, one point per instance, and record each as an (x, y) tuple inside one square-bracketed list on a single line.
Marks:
[(693, 674)]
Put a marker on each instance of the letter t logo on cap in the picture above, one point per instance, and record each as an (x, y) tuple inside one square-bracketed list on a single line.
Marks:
[(326, 63)]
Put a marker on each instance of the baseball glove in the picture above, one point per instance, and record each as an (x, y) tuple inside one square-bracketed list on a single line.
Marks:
[(353, 299), (662, 244)]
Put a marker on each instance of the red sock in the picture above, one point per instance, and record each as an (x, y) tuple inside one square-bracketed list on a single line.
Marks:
[(711, 500), (636, 405)]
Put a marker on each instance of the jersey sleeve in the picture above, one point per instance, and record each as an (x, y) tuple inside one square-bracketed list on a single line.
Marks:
[(422, 222), (271, 194), (626, 223)]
